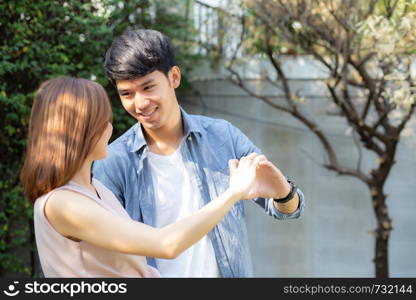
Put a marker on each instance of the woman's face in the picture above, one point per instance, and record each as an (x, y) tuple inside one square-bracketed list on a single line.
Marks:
[(100, 149)]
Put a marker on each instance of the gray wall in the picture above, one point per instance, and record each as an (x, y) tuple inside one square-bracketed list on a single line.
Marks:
[(333, 237)]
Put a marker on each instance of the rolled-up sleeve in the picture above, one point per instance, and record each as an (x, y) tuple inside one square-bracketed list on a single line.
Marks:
[(272, 211)]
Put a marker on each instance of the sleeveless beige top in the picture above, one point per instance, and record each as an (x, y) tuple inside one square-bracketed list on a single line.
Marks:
[(63, 257)]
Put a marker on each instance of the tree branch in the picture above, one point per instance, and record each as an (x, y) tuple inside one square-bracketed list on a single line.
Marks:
[(362, 129), (239, 82), (406, 119), (360, 153), (279, 71), (333, 160)]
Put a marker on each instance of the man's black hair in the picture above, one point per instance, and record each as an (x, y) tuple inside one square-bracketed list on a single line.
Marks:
[(137, 53)]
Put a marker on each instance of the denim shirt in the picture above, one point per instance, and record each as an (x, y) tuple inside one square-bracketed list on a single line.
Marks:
[(209, 144)]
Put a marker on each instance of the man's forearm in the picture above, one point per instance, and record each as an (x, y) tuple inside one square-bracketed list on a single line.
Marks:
[(288, 207), (282, 190)]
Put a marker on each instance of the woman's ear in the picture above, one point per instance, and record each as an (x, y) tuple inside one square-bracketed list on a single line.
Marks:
[(175, 73)]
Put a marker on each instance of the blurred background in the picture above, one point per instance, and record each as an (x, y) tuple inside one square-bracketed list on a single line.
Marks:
[(325, 88)]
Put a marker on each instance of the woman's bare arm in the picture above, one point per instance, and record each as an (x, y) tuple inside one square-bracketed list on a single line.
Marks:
[(77, 216)]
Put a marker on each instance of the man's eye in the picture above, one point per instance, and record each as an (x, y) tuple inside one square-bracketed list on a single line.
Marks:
[(148, 87), (124, 94)]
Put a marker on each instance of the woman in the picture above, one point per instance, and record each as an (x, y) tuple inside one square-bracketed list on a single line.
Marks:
[(81, 229)]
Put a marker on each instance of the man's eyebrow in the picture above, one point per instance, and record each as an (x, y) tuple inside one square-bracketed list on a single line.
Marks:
[(150, 80)]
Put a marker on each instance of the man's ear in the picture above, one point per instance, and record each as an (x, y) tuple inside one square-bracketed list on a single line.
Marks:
[(175, 76)]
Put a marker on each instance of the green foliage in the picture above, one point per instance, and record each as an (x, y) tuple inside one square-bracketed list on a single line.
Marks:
[(40, 40), (44, 39)]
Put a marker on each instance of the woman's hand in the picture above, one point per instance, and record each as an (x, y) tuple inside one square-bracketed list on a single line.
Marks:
[(243, 174)]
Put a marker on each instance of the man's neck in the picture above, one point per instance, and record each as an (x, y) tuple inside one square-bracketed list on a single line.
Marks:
[(166, 139)]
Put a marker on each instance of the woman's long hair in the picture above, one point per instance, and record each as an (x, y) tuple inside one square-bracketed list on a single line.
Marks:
[(68, 117)]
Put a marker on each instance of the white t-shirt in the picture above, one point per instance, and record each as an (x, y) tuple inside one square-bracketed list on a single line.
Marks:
[(177, 197)]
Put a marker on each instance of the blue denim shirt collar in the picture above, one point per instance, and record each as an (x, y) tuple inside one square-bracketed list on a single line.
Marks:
[(189, 126)]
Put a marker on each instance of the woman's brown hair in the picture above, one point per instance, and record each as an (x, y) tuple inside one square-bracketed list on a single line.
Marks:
[(68, 117)]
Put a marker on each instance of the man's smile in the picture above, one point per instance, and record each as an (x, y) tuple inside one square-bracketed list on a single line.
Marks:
[(148, 113)]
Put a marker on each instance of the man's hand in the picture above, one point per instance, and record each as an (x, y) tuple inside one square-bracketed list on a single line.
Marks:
[(243, 174), (269, 182)]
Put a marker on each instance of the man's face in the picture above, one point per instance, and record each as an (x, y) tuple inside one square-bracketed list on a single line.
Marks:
[(151, 98)]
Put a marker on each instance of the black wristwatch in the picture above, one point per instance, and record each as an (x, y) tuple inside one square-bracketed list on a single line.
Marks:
[(293, 189)]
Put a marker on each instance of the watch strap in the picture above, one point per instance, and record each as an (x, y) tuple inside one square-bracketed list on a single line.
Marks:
[(293, 189)]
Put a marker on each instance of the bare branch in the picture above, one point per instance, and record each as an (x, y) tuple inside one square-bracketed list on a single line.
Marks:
[(369, 82), (370, 10), (312, 158), (406, 119), (279, 70), (372, 98), (409, 114), (360, 153), (341, 104), (237, 80), (381, 119), (333, 160), (365, 131), (240, 43), (274, 83), (358, 174), (215, 8), (339, 20), (390, 8), (353, 173), (346, 54)]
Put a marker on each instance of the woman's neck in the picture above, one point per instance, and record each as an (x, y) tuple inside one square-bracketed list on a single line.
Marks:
[(83, 175)]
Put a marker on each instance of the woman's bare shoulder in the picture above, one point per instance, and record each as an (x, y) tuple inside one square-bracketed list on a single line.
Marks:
[(66, 201)]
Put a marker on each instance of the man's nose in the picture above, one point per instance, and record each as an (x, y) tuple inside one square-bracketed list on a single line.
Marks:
[(140, 103)]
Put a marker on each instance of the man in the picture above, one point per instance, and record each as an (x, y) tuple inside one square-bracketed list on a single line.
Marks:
[(170, 163)]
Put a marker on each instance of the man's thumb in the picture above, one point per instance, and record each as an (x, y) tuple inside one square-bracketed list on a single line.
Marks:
[(233, 164)]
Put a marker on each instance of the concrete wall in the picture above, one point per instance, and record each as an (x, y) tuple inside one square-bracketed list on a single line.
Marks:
[(333, 237)]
